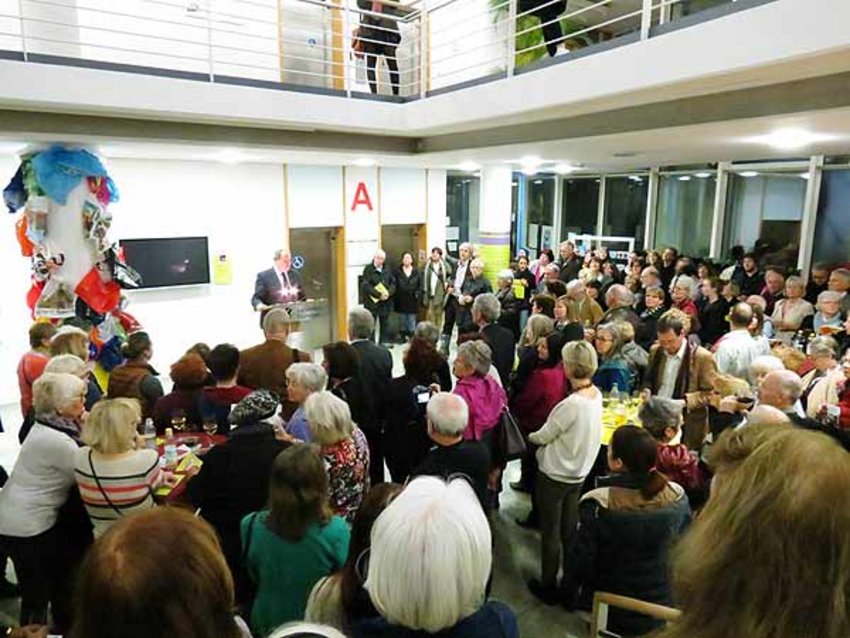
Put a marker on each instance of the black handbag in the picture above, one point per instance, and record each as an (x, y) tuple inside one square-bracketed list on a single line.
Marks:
[(511, 441)]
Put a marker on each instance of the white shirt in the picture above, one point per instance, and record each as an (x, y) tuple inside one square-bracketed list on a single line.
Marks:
[(671, 371), (570, 438), (735, 352), (460, 275), (436, 271), (39, 484), (283, 278)]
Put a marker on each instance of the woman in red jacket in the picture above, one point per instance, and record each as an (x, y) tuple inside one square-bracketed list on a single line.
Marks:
[(531, 405)]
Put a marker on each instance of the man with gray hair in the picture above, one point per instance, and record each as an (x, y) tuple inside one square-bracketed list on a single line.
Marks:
[(264, 366), (569, 263), (448, 415), (375, 373), (377, 286), (485, 313), (461, 273), (277, 285), (839, 281), (620, 300)]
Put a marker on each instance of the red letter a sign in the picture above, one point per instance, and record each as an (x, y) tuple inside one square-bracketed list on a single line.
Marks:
[(361, 197)]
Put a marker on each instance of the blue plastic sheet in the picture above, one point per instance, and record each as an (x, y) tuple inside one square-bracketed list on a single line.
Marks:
[(15, 193), (58, 170)]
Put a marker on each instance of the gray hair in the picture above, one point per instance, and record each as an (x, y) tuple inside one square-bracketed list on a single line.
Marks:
[(788, 383), (656, 414), (466, 245), (553, 268), (575, 283), (380, 253), (477, 355), (536, 327), (823, 347), (67, 364), (361, 323), (328, 418), (276, 321), (433, 538), (427, 331), (280, 252), (763, 364), (616, 338), (488, 306), (828, 295), (448, 414), (843, 273), (477, 262), (310, 376), (764, 414), (55, 391), (684, 281), (618, 295), (300, 629), (506, 275)]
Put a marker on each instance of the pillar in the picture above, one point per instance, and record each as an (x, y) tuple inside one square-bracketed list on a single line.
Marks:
[(494, 221)]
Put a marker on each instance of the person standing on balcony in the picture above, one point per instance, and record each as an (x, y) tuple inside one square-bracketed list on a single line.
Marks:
[(379, 36), (548, 12)]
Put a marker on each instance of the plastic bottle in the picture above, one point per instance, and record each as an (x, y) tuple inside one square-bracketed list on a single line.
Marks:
[(149, 434), (614, 395), (170, 454)]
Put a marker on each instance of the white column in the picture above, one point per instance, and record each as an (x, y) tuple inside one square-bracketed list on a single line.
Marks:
[(719, 209), (810, 214), (495, 219)]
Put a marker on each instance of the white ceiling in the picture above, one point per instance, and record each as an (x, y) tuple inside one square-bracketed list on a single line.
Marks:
[(703, 143)]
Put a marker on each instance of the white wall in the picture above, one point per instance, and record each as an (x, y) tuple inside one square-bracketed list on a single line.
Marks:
[(403, 196), (314, 196)]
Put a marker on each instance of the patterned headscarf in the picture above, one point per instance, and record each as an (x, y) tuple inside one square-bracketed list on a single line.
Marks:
[(257, 406)]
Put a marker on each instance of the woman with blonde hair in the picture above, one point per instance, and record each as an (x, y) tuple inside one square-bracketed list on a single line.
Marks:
[(73, 340), (776, 526), (115, 476)]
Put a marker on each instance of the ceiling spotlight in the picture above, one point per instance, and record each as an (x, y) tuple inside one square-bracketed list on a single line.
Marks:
[(530, 162), (230, 156), (365, 162), (565, 169), (789, 139), (469, 167), (748, 173), (703, 174), (684, 178)]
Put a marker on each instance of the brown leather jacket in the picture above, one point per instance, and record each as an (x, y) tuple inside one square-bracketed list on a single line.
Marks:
[(126, 381), (264, 366)]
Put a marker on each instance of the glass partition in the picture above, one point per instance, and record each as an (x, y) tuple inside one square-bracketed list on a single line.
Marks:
[(540, 213), (625, 207), (580, 206), (832, 232), (463, 192), (685, 212)]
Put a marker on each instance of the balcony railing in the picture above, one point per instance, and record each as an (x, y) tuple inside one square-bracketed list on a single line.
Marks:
[(308, 44)]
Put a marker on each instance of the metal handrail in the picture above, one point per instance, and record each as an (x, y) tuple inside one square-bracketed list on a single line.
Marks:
[(259, 42)]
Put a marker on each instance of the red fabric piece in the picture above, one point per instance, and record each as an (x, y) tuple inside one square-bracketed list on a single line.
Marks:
[(33, 295), (26, 245), (101, 296), (30, 368), (226, 396), (99, 187), (128, 321)]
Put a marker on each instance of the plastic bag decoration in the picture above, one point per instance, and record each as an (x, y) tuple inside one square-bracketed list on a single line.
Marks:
[(63, 228)]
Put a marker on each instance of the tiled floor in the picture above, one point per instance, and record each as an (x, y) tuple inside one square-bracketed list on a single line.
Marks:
[(517, 551)]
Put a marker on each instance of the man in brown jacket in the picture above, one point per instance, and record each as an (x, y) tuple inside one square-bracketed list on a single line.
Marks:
[(680, 370), (264, 366)]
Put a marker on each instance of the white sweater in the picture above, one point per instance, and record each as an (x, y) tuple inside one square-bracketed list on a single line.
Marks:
[(39, 484), (570, 438)]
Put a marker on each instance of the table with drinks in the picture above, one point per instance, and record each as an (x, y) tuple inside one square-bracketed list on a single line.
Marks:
[(618, 411)]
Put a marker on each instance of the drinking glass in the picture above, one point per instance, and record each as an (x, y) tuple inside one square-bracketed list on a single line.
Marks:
[(210, 426), (178, 420)]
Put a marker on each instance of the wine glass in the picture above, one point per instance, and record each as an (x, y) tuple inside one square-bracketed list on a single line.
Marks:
[(178, 420), (210, 426)]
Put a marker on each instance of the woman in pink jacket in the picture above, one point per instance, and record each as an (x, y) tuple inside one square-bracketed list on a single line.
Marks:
[(485, 398)]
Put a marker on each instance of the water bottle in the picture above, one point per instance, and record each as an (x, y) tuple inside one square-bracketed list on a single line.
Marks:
[(149, 434), (614, 395), (170, 455)]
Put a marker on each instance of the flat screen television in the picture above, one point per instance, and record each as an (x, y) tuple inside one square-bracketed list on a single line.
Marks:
[(171, 261)]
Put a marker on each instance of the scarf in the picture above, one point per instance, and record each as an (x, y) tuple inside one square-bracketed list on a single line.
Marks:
[(820, 321)]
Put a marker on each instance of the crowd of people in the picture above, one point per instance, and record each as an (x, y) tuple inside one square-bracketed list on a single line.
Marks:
[(736, 454)]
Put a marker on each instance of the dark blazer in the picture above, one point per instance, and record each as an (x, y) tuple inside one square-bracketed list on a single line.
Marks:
[(473, 288), (569, 268), (376, 370), (712, 319), (267, 289), (502, 343), (406, 441), (407, 290), (369, 280), (509, 317)]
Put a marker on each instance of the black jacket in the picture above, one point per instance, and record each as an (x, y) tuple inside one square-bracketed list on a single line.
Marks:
[(469, 458), (473, 288), (268, 291), (406, 441), (407, 290), (750, 284), (569, 268), (369, 280), (509, 316), (649, 327), (502, 343), (375, 372), (712, 319)]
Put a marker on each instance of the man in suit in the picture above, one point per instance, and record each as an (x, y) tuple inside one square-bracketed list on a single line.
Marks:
[(378, 287), (461, 272), (680, 370), (277, 285), (569, 263), (376, 370), (435, 278), (485, 313), (264, 366)]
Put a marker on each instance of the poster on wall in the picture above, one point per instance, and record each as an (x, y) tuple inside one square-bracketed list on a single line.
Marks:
[(532, 235), (545, 237), (222, 270), (453, 233)]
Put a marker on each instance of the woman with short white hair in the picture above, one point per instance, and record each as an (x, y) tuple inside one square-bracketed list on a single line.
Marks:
[(68, 364), (788, 314), (761, 365), (302, 380), (429, 564), (43, 525), (116, 477), (828, 318), (683, 294), (344, 449), (474, 285)]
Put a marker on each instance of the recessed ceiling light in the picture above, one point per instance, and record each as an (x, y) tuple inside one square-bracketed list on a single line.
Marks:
[(469, 167), (530, 164), (684, 178), (365, 162), (789, 139), (230, 156), (565, 169), (748, 173)]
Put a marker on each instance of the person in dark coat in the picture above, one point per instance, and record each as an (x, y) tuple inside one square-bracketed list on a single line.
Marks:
[(408, 284), (473, 286), (277, 285), (406, 435), (485, 314), (568, 261), (627, 525), (548, 12), (712, 319), (509, 316), (234, 479), (748, 277), (379, 36), (377, 288), (374, 370)]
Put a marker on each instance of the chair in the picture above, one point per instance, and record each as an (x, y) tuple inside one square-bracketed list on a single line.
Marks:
[(603, 600)]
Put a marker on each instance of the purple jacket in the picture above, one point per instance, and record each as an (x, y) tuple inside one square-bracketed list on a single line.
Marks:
[(485, 398)]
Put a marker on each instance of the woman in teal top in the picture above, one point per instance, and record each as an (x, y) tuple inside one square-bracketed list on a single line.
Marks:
[(295, 543)]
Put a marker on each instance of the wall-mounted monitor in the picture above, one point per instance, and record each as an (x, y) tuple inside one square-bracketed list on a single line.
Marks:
[(172, 261)]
